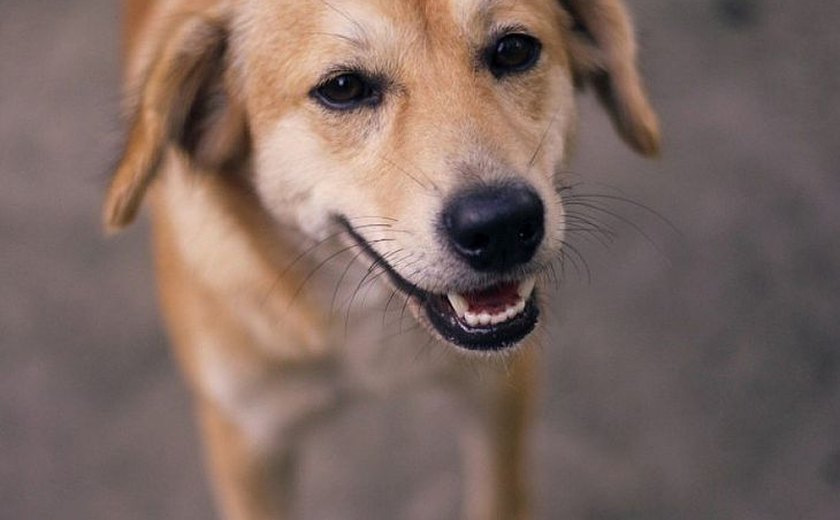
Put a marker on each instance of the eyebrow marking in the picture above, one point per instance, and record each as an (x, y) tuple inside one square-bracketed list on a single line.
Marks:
[(346, 16), (480, 11), (486, 5), (357, 43), (357, 37)]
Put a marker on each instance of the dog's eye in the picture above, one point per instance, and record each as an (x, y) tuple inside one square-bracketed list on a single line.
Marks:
[(346, 91), (513, 53)]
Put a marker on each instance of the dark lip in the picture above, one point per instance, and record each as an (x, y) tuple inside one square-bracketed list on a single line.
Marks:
[(495, 338)]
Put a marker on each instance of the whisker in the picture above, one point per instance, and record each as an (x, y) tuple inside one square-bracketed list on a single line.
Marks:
[(627, 221), (324, 262), (373, 218), (341, 279), (424, 349), (405, 306), (562, 267), (588, 220), (596, 235), (388, 304), (554, 274), (424, 174), (565, 257), (573, 250), (542, 140), (346, 16), (334, 35), (593, 226), (373, 264), (545, 277), (317, 268), (282, 274), (303, 255), (393, 265), (404, 172), (401, 332), (659, 216)]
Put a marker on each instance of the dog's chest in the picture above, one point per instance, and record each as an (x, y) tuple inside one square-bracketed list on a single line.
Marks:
[(277, 402), (373, 348)]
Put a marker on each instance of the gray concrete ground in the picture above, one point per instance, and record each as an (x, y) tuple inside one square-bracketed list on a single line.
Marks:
[(696, 379)]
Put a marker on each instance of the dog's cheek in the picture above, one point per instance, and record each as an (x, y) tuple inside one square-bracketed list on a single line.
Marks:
[(302, 182), (556, 124), (289, 169)]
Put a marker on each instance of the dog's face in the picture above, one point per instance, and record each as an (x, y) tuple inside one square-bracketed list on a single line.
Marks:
[(428, 132), (417, 126)]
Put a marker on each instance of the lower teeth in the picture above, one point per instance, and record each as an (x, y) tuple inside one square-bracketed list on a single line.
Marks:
[(461, 307), (484, 319)]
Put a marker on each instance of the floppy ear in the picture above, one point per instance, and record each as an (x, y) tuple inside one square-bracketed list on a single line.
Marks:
[(185, 100), (603, 54)]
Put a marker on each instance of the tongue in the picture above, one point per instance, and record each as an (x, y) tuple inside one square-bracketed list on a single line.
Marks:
[(494, 299)]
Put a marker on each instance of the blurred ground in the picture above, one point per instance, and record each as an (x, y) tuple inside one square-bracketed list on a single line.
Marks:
[(695, 381)]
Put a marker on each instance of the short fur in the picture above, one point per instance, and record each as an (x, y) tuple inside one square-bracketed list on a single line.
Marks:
[(246, 175)]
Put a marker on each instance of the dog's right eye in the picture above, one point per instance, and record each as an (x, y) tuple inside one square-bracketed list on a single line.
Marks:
[(347, 91), (513, 53)]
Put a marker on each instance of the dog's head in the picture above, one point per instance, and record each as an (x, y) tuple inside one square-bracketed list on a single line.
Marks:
[(428, 132)]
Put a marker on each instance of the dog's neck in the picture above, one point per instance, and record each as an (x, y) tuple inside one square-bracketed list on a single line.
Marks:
[(214, 228)]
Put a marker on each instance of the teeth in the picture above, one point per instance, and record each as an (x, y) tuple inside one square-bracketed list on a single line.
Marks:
[(526, 288), (471, 319), (459, 303), (499, 318), (483, 319)]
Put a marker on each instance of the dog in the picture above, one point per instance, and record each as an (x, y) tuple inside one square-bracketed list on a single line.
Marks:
[(311, 162)]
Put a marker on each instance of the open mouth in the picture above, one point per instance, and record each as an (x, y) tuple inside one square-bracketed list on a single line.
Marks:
[(490, 319)]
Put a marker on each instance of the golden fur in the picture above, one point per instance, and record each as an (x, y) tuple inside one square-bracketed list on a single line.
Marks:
[(245, 174)]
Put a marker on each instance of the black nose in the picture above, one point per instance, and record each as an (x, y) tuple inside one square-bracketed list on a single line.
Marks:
[(495, 228)]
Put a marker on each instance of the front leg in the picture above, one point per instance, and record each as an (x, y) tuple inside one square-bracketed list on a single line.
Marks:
[(250, 483), (252, 421), (494, 444)]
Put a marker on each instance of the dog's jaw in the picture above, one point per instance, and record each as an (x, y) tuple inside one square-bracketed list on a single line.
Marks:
[(483, 333), (491, 319)]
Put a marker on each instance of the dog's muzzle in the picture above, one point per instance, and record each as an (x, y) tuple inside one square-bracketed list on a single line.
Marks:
[(495, 230)]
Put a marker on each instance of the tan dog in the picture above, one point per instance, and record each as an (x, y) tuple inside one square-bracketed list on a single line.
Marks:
[(283, 141)]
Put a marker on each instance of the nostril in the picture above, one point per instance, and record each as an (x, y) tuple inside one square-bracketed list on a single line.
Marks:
[(476, 242), (528, 232)]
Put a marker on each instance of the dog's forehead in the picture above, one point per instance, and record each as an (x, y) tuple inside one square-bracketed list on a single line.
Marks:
[(431, 17), (332, 27), (358, 18)]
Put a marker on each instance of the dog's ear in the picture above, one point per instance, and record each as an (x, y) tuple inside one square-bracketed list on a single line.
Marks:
[(602, 48), (184, 101)]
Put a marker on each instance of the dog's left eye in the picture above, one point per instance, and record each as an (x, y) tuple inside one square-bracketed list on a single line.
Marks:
[(347, 91), (513, 53)]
